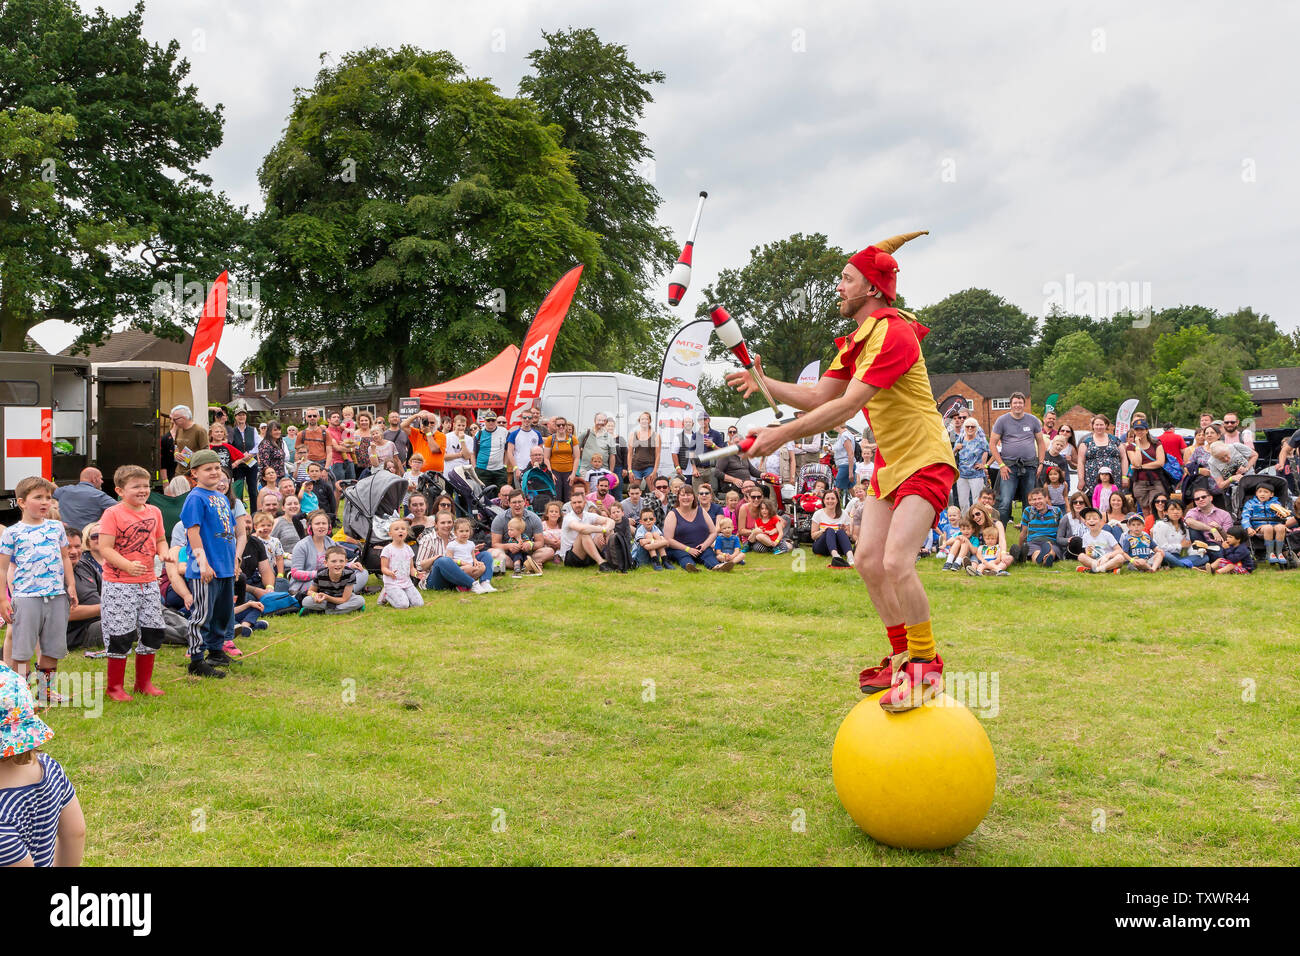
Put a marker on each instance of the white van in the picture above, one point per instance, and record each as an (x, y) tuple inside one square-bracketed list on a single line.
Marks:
[(579, 396)]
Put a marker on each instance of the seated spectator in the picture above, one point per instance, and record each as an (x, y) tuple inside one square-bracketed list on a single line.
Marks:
[(538, 477), (1171, 536), (263, 529), (1101, 552), (963, 544), (1115, 515), (989, 543), (727, 545), (634, 501), (945, 531), (397, 566), (86, 501), (309, 558), (552, 528), (528, 544), (690, 533), (830, 539), (582, 533), (1102, 490), (704, 492), (331, 588), (1141, 551), (601, 496), (732, 470), (1072, 525), (1158, 505), (1038, 526), (84, 628), (1236, 557), (289, 527), (1207, 523), (658, 499), (731, 507), (432, 560), (1262, 517), (853, 511), (650, 546), (766, 535), (417, 516)]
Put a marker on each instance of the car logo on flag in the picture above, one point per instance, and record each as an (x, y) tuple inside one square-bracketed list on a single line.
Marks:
[(679, 383)]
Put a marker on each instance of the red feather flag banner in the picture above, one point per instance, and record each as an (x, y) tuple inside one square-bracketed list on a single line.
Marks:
[(207, 336), (539, 341)]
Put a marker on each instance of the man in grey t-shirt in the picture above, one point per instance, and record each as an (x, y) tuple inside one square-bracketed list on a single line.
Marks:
[(533, 527), (1017, 443)]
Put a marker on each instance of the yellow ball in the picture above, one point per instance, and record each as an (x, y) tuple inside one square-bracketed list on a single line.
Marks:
[(920, 780)]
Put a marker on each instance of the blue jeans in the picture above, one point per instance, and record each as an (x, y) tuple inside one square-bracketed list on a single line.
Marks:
[(844, 477), (683, 558), (1014, 484), (1191, 561), (836, 539), (447, 574), (343, 470)]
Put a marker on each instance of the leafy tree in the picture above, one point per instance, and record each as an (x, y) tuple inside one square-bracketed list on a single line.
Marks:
[(719, 399), (1249, 331), (1056, 326), (1075, 357), (976, 331), (1097, 393), (101, 194), (1282, 352), (1172, 347), (1208, 378), (596, 95), (1181, 316), (785, 298), (419, 212), (1292, 415)]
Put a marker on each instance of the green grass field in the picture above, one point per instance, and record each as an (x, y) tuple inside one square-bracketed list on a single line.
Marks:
[(661, 718)]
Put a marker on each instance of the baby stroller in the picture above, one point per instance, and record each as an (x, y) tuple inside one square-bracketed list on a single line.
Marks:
[(471, 498), (369, 507), (1246, 489), (805, 502), (539, 488), (432, 485)]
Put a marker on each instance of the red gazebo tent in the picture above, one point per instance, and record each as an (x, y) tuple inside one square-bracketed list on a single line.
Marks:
[(485, 387)]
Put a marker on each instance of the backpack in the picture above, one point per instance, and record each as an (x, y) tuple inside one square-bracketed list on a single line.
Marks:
[(618, 552), (1173, 468)]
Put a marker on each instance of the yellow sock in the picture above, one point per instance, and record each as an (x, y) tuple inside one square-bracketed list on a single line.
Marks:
[(920, 642)]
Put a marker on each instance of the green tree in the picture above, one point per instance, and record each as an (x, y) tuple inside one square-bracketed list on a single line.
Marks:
[(785, 299), (418, 213), (1173, 347), (1249, 331), (101, 196), (1056, 326), (1097, 393), (721, 400), (596, 95), (1208, 378), (1282, 352), (1074, 357), (976, 331)]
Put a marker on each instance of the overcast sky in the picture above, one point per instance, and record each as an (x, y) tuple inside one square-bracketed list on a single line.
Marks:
[(1142, 144)]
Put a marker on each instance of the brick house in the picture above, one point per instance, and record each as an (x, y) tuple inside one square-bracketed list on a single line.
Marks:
[(133, 345), (286, 400), (987, 393), (1077, 417), (1272, 389)]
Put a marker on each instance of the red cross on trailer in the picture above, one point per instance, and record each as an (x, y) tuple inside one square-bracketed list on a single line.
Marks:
[(29, 443)]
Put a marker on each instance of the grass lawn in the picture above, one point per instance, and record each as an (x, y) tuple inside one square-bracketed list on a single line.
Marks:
[(661, 718)]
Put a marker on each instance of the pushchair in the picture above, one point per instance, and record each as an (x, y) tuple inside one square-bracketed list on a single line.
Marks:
[(805, 503), (369, 507), (472, 500), (538, 486), (1246, 489)]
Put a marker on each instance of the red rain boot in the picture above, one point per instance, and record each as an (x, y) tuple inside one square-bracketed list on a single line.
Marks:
[(116, 676), (144, 675)]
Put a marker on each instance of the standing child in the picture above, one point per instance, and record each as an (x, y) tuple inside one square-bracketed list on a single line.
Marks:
[(210, 572), (395, 561), (1105, 485), (131, 536), (331, 589), (44, 591), (463, 553), (41, 823)]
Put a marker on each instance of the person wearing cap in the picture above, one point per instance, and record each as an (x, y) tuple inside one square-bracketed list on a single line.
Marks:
[(1099, 551), (1146, 459), (210, 572), (41, 821), (490, 458), (1138, 548), (1100, 493), (879, 368), (972, 451)]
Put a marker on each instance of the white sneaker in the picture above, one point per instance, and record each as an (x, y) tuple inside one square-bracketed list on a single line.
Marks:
[(478, 588), (487, 586)]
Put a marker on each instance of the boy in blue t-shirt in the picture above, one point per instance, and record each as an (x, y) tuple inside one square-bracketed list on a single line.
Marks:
[(727, 544), (210, 572), (1142, 552)]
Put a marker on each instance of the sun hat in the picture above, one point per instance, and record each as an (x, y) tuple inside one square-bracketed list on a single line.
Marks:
[(20, 729), (1105, 470), (204, 456)]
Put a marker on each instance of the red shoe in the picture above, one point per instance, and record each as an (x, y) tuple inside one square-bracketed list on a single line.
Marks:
[(915, 683), (116, 677), (878, 678), (144, 676)]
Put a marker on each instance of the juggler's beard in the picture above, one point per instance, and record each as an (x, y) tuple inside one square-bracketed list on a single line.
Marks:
[(849, 306)]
